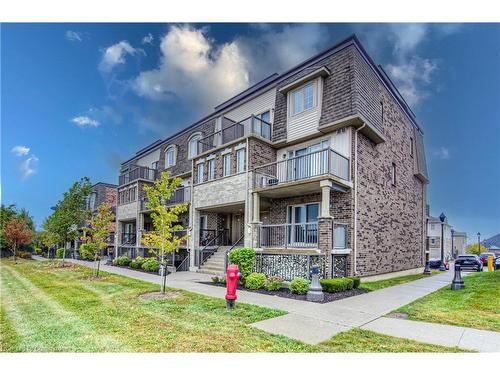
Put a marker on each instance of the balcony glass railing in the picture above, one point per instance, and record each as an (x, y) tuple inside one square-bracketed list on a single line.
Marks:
[(324, 162), (232, 130), (136, 173)]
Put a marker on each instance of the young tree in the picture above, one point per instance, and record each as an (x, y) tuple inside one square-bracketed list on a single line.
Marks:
[(7, 213), (98, 231), (71, 212), (164, 239), (17, 233), (472, 249)]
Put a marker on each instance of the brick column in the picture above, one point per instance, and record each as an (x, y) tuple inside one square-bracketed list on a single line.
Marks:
[(325, 241)]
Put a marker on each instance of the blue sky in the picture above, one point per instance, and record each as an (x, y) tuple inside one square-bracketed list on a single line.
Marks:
[(77, 99)]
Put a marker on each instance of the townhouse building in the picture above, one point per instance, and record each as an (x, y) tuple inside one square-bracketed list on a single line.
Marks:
[(321, 165), (459, 243), (435, 231)]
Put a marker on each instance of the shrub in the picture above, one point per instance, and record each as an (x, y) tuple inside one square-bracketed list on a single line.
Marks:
[(24, 255), (356, 281), (38, 251), (123, 261), (340, 284), (60, 253), (151, 265), (87, 251), (245, 259), (137, 263), (299, 285), (274, 283), (255, 281), (215, 279)]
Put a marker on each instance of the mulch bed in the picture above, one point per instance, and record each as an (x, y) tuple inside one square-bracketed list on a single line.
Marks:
[(285, 293), (140, 270)]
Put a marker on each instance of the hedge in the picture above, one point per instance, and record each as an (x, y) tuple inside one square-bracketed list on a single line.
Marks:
[(340, 284), (299, 285), (87, 251), (255, 281), (244, 258), (151, 264)]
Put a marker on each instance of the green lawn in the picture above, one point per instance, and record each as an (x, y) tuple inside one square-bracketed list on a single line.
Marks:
[(374, 285), (476, 306), (45, 308)]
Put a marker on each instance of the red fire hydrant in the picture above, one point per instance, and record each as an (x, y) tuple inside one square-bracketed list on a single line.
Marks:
[(232, 277)]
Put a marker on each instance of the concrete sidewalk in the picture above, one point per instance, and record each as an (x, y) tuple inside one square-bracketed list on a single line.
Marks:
[(312, 322)]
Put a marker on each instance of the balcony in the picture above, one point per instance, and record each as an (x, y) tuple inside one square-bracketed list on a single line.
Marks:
[(298, 235), (137, 173), (181, 195), (232, 130), (301, 174)]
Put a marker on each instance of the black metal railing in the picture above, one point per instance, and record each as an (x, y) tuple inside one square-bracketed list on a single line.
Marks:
[(210, 247), (181, 195), (226, 253), (298, 168), (136, 173), (111, 238), (303, 235), (289, 265), (128, 238), (232, 130), (221, 236)]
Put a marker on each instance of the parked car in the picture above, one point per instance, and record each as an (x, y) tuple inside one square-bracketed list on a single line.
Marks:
[(469, 262), (484, 258), (497, 263), (436, 264)]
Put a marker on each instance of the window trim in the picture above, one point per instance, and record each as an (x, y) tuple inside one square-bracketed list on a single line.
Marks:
[(211, 176), (226, 173), (191, 138), (242, 151), (314, 84), (172, 148)]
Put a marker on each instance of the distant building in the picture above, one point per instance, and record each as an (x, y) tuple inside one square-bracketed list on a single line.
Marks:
[(434, 233), (492, 244), (459, 243)]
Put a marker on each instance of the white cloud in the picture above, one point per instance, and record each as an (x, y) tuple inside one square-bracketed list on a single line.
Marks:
[(193, 68), (412, 73), (148, 39), (115, 55), (442, 153), (20, 150), (85, 121), (29, 166), (73, 36)]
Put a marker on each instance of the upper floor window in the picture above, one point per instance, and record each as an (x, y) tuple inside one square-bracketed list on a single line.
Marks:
[(200, 173), (154, 165), (193, 149), (393, 174), (211, 169), (411, 146), (262, 124), (433, 227), (170, 157), (241, 160), (303, 98), (226, 165)]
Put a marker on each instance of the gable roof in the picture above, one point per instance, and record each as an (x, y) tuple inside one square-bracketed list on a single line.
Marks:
[(492, 241)]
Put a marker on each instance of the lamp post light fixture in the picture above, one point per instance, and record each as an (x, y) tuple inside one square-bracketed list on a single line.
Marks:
[(478, 244), (442, 217)]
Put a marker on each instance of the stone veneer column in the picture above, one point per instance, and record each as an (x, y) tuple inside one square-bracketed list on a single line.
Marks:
[(325, 226), (194, 219), (256, 223)]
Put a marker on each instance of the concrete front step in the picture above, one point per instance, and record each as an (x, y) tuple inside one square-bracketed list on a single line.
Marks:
[(210, 272)]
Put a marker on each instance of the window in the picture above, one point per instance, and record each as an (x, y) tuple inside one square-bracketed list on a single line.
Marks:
[(200, 173), (170, 157), (433, 227), (262, 128), (303, 99), (193, 145), (241, 160), (411, 146), (433, 241), (226, 166), (154, 165), (211, 169), (393, 174)]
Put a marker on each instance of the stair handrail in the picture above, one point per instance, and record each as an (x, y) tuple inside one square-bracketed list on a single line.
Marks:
[(226, 253), (200, 253)]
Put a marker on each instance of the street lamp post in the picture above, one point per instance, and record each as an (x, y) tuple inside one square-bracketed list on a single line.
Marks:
[(442, 217), (478, 244), (452, 247)]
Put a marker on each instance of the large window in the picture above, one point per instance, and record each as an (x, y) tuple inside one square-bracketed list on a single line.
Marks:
[(262, 125), (226, 166), (303, 98), (211, 169), (193, 145), (240, 160), (200, 173), (170, 157)]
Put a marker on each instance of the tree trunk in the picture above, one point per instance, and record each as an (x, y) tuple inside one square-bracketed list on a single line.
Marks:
[(64, 254), (164, 281), (15, 252)]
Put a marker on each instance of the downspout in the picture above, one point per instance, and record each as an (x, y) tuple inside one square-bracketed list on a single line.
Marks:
[(355, 244)]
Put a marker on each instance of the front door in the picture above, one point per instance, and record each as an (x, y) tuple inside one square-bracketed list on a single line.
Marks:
[(236, 227), (303, 225)]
